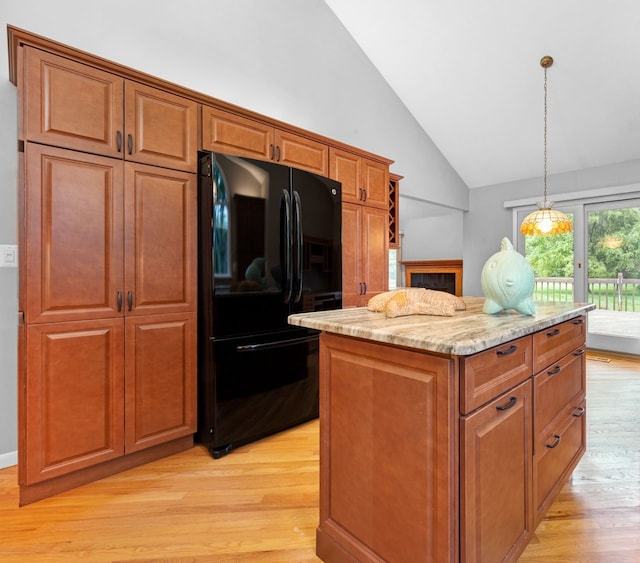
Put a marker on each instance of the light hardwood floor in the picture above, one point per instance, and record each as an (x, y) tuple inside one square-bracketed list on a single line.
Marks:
[(260, 503)]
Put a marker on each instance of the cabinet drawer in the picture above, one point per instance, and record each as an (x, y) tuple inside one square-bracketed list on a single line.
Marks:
[(560, 453), (486, 375), (556, 389), (553, 343)]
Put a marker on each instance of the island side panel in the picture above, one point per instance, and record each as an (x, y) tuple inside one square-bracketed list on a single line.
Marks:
[(388, 459)]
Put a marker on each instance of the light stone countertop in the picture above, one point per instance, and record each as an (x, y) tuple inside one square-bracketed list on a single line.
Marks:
[(467, 332)]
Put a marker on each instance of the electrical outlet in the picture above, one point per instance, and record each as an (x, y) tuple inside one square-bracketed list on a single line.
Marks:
[(8, 256)]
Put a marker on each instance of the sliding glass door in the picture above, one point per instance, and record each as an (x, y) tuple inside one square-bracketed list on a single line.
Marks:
[(613, 274)]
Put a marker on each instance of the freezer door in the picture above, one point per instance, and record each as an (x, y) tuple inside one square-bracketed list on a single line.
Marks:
[(262, 386)]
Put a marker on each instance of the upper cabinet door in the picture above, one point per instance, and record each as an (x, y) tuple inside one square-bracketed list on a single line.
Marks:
[(300, 152), (363, 180), (161, 128), (228, 133), (72, 105), (74, 239), (345, 167), (160, 240), (375, 182)]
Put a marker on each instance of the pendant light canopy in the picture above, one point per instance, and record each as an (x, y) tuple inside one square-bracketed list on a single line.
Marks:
[(545, 220)]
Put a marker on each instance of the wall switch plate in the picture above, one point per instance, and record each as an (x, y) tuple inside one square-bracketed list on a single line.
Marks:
[(8, 256)]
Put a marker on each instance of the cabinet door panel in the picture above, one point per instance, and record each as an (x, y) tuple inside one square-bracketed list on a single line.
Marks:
[(496, 478), (375, 179), (161, 128), (300, 152), (160, 379), (232, 134), (555, 461), (345, 167), (74, 235), (74, 397), (375, 248), (160, 248), (72, 105), (351, 280), (400, 424)]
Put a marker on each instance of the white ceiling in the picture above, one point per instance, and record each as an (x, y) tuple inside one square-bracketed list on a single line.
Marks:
[(469, 71)]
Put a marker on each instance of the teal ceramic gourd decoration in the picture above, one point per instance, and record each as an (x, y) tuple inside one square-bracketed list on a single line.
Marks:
[(508, 282)]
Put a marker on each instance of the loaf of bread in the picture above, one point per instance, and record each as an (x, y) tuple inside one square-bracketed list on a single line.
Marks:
[(416, 301)]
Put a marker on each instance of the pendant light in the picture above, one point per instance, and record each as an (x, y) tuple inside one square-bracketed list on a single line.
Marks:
[(545, 220)]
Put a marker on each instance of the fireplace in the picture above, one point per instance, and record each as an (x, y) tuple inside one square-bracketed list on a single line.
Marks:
[(441, 275)]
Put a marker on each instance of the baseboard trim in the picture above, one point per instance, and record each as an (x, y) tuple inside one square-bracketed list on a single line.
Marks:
[(8, 459)]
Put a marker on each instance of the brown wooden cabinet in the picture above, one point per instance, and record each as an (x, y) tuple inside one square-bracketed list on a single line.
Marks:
[(108, 283), (110, 309), (387, 479), (559, 391), (364, 253), (229, 133), (496, 478), (365, 225), (73, 398), (436, 457), (74, 105), (363, 180), (160, 379)]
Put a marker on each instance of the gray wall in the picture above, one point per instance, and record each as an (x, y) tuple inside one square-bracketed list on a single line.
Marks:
[(288, 59)]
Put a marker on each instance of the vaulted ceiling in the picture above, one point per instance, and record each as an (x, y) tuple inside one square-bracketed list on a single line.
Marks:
[(469, 72)]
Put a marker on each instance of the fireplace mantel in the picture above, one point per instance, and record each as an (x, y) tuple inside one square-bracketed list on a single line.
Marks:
[(434, 274)]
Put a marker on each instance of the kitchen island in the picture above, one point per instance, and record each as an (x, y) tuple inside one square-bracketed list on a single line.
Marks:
[(445, 438)]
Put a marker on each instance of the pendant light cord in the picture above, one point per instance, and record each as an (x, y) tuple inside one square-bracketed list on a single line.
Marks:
[(545, 136)]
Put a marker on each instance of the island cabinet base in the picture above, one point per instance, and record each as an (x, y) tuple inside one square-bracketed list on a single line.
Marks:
[(430, 457), (388, 441)]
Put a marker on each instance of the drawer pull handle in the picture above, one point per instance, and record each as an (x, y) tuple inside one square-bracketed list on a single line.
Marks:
[(511, 403), (119, 297), (578, 322), (508, 351), (555, 370), (555, 443), (579, 352), (578, 412), (119, 141), (554, 332)]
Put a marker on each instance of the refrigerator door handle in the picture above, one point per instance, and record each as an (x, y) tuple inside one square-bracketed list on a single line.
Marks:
[(285, 242), (297, 229), (275, 344)]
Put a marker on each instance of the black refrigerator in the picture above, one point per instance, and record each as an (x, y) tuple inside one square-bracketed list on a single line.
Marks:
[(269, 245)]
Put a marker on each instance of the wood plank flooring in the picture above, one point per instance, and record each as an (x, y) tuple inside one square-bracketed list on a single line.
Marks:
[(260, 503)]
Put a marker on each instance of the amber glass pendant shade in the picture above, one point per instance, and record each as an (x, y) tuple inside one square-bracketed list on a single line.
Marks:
[(546, 221)]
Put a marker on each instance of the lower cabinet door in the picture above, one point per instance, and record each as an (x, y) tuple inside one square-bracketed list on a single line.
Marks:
[(496, 478), (557, 458), (73, 397), (160, 374)]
